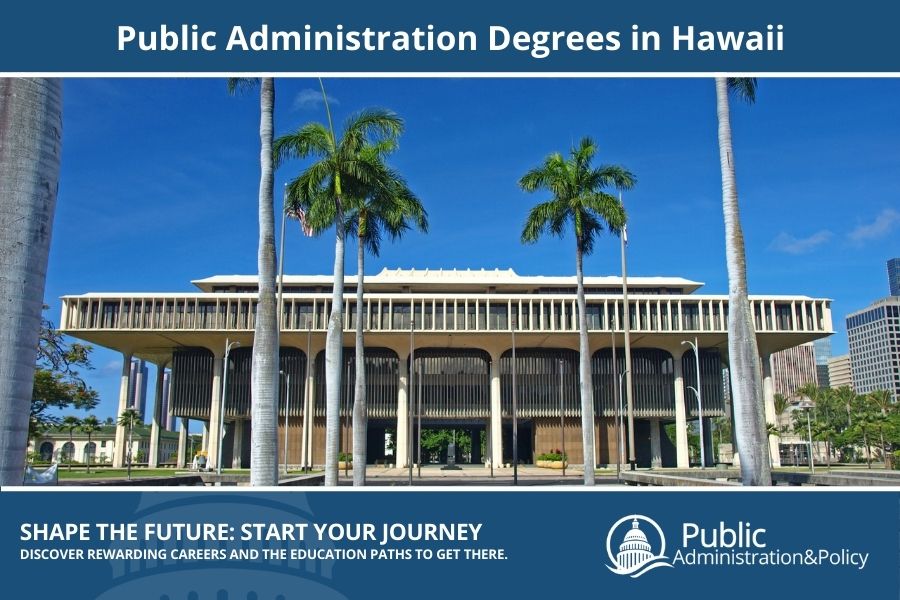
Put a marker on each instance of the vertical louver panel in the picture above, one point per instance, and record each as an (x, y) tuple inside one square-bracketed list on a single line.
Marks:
[(455, 383), (192, 373), (382, 381), (653, 382), (711, 377), (537, 380)]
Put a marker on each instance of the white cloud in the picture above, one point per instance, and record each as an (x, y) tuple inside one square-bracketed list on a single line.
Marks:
[(310, 99), (785, 242), (883, 224)]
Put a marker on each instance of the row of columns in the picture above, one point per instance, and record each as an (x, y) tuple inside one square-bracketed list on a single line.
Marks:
[(212, 434)]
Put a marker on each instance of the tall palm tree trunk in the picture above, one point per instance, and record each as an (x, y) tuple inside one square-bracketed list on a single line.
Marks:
[(30, 141), (264, 373), (333, 355), (584, 369), (750, 422), (360, 424)]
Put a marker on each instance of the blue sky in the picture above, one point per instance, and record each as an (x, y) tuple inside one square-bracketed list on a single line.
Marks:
[(159, 182)]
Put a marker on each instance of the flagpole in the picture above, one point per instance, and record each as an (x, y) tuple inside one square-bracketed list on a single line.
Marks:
[(628, 385), (281, 268)]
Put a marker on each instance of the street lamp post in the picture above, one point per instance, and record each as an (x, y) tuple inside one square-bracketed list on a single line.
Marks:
[(808, 406), (621, 426), (515, 421), (287, 409), (228, 346), (489, 437), (562, 419), (696, 391), (409, 400)]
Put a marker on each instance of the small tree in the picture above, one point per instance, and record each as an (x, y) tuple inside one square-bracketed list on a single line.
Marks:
[(70, 424), (57, 381), (129, 418), (89, 426)]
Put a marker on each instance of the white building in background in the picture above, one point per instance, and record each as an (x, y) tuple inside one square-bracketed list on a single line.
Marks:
[(793, 368), (873, 334), (59, 446), (839, 373)]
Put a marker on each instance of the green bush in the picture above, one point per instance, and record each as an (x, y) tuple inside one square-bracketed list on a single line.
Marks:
[(556, 455), (345, 457)]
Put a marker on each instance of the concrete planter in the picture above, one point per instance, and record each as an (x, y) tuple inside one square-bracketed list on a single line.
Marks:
[(551, 464), (343, 465)]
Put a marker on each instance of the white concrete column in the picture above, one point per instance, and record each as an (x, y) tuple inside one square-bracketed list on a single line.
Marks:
[(124, 383), (182, 443), (682, 453), (655, 448), (204, 437), (309, 398), (496, 414), (237, 446), (403, 415), (170, 405), (769, 399), (153, 458), (215, 434)]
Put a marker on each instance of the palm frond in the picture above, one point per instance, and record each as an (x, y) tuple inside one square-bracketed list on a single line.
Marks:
[(369, 126), (546, 216), (743, 88), (611, 176), (241, 84), (313, 139)]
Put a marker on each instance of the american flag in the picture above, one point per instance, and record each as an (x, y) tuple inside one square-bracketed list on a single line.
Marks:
[(300, 215)]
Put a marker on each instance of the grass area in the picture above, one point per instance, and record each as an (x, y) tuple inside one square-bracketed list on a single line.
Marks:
[(81, 473)]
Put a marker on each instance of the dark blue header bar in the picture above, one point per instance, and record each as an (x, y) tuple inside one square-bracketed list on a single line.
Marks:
[(462, 36)]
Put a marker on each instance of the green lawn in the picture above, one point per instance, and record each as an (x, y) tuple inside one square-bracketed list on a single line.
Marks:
[(81, 473), (106, 473)]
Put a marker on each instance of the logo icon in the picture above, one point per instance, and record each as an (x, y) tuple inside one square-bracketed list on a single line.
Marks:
[(635, 556)]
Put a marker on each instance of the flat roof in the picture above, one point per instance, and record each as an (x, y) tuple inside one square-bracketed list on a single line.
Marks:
[(455, 277)]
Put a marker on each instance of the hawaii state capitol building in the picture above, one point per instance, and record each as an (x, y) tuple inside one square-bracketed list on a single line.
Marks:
[(459, 325)]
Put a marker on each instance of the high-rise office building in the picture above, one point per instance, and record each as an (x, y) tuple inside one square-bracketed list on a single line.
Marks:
[(137, 391), (874, 337), (893, 269), (822, 350), (839, 373), (793, 368)]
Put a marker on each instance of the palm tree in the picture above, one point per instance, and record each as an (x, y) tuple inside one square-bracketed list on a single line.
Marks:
[(129, 418), (70, 424), (89, 426), (265, 361), (750, 419), (386, 206), (319, 189), (578, 196), (31, 130), (883, 402), (782, 404)]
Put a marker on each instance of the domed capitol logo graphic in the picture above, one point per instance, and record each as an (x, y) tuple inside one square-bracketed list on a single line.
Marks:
[(635, 556)]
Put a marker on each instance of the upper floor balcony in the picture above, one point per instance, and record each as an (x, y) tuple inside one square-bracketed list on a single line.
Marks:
[(452, 313)]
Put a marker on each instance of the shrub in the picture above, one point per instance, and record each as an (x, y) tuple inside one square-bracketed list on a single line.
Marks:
[(345, 457), (556, 455)]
